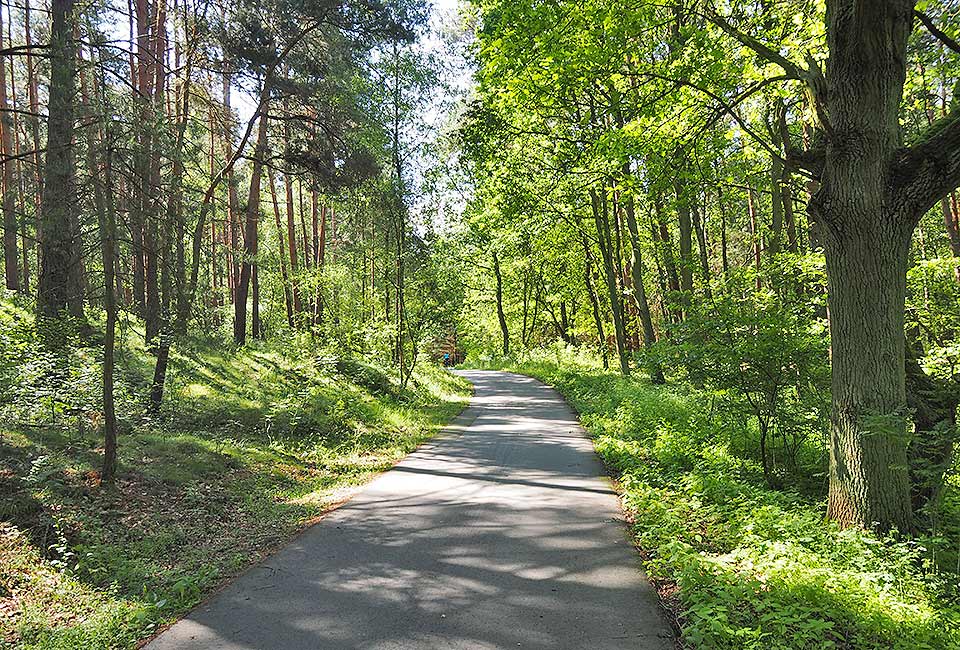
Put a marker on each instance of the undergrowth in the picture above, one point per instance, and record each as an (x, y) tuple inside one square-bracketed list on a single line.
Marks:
[(252, 445)]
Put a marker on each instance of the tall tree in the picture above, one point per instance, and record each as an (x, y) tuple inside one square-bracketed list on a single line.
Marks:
[(251, 234), (871, 192), (59, 287), (8, 188)]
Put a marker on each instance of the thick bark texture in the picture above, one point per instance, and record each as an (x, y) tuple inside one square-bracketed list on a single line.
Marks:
[(867, 226), (868, 194), (868, 462)]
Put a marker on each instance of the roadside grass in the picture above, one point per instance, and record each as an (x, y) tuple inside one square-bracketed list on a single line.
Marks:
[(252, 446), (743, 566)]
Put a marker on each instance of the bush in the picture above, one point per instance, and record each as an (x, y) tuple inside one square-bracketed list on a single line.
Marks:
[(763, 352)]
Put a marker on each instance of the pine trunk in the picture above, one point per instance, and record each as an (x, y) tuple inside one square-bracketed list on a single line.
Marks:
[(59, 287), (284, 277), (11, 247), (250, 237)]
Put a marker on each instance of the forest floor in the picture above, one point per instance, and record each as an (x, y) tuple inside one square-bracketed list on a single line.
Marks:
[(738, 563), (253, 446), (503, 533)]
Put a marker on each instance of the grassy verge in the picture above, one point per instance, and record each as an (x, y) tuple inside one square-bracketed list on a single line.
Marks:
[(253, 446), (744, 566)]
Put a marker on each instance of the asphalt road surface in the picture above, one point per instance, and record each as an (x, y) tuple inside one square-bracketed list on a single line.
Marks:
[(500, 533)]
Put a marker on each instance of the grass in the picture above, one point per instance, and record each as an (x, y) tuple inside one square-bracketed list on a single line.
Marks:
[(253, 446), (741, 565)]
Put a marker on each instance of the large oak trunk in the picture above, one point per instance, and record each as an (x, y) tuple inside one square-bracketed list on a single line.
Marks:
[(866, 229), (866, 268)]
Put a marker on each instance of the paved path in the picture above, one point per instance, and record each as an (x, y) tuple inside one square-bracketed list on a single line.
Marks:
[(500, 534)]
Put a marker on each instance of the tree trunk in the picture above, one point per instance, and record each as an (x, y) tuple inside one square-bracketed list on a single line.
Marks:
[(322, 258), (59, 288), (215, 285), (686, 246), (292, 240), (307, 249), (594, 300), (724, 253), (699, 228), (315, 218), (866, 291), (754, 234), (256, 326), (34, 121), (11, 247), (613, 290), (866, 223), (788, 212), (639, 291), (287, 297), (18, 168), (101, 176), (953, 231), (501, 317), (662, 235), (233, 201), (250, 231), (776, 208), (173, 218)]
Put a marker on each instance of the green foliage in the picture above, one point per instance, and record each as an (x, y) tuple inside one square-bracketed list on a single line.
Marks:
[(744, 565), (933, 312), (762, 351)]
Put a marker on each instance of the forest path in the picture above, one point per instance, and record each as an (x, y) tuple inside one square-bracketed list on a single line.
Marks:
[(501, 533)]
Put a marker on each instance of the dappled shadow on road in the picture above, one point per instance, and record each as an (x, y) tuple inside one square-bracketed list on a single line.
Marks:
[(500, 536), (505, 480)]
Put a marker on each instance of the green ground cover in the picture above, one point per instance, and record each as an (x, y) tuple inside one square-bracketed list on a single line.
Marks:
[(252, 446)]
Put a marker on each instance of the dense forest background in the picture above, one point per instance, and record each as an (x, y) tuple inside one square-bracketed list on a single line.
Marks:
[(752, 205), (729, 233)]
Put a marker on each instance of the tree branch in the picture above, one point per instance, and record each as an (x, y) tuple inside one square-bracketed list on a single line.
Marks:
[(930, 169), (795, 71), (936, 31), (812, 76)]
